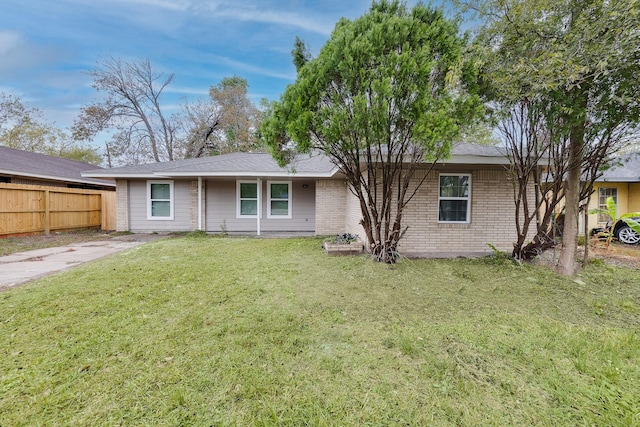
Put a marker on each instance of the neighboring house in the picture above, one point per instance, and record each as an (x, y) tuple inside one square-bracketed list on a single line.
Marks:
[(44, 194), (25, 167), (622, 182), (248, 193)]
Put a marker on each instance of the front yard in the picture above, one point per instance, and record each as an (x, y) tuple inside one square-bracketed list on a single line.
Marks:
[(221, 331)]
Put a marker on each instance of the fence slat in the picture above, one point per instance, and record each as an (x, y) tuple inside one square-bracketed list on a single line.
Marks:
[(28, 209)]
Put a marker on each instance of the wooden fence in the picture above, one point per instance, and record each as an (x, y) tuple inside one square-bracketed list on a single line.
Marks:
[(30, 209)]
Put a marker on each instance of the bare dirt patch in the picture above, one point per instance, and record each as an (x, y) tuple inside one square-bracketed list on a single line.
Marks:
[(617, 254), (12, 245)]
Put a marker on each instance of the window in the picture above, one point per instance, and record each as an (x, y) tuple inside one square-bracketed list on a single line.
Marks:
[(454, 198), (160, 200), (247, 199), (279, 196), (603, 195)]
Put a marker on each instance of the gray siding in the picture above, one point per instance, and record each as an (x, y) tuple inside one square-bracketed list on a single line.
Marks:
[(138, 221), (221, 207)]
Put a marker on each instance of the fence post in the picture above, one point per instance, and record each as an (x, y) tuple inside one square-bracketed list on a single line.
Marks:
[(47, 223)]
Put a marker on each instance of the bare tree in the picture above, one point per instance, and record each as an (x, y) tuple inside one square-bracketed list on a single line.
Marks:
[(132, 108)]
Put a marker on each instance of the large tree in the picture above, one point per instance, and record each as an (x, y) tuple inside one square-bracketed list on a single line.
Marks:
[(26, 129), (225, 122), (574, 65), (385, 93), (132, 108)]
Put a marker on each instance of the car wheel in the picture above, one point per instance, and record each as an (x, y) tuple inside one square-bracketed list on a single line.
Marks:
[(628, 236)]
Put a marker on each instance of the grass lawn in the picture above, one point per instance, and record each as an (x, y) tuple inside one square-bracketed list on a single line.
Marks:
[(222, 331)]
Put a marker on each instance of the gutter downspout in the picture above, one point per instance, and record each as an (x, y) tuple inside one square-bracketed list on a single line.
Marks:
[(199, 203)]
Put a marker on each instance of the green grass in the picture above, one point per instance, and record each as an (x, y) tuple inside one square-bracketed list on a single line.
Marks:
[(272, 332)]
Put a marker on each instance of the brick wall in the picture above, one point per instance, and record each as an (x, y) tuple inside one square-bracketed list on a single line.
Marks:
[(330, 206), (122, 205), (353, 216), (492, 218)]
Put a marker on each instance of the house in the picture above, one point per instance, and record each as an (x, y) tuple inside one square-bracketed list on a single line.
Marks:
[(44, 194), (622, 182), (25, 167), (248, 193)]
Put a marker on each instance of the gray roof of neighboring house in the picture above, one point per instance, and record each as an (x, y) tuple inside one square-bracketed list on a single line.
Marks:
[(262, 164), (39, 166), (624, 169)]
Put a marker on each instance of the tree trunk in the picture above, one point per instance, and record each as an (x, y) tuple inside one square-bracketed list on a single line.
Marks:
[(585, 230), (567, 265)]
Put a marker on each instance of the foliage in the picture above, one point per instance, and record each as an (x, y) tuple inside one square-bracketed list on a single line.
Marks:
[(197, 234), (26, 129), (226, 122), (386, 93), (300, 53), (239, 118), (575, 65), (345, 238), (142, 131), (272, 332), (132, 107), (612, 211)]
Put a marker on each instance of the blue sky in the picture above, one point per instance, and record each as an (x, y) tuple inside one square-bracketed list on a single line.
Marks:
[(47, 46)]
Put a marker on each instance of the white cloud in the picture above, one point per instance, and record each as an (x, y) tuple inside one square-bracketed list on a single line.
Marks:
[(242, 66), (9, 40), (186, 90), (18, 55), (265, 13)]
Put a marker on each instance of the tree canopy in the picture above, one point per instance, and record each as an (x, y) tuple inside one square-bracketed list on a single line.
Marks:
[(574, 65), (387, 91), (26, 129)]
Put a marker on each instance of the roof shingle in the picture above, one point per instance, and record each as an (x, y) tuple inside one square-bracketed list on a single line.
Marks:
[(34, 165)]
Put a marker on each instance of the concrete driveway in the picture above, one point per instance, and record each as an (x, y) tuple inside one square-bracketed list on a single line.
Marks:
[(23, 267)]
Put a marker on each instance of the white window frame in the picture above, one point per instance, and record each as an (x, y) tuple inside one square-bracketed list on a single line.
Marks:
[(468, 199), (603, 205), (171, 200), (269, 200), (239, 200)]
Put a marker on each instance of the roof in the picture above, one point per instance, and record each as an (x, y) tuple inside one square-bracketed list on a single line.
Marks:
[(225, 165), (40, 166), (624, 169), (263, 165), (467, 153)]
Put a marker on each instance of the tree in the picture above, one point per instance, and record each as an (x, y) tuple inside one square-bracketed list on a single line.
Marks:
[(300, 53), (386, 92), (25, 128), (238, 116), (132, 107), (226, 122), (575, 64)]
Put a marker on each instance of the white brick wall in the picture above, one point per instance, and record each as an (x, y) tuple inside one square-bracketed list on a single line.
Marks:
[(122, 205), (492, 218), (492, 215), (330, 206)]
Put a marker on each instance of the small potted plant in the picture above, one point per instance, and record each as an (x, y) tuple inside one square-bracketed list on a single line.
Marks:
[(343, 244)]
